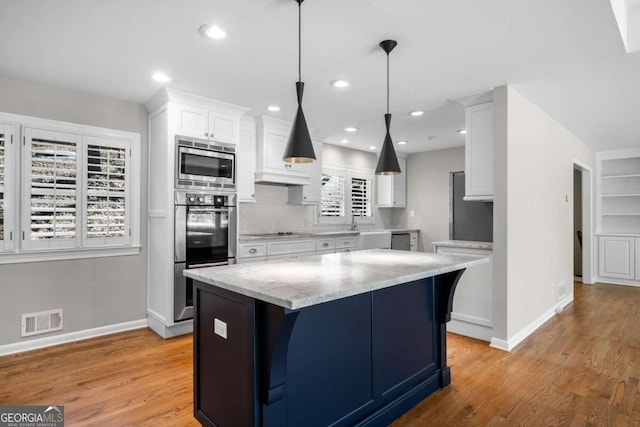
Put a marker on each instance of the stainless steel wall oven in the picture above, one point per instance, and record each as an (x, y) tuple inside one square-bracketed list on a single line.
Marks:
[(205, 236)]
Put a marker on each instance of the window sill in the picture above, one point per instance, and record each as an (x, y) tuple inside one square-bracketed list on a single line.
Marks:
[(66, 254)]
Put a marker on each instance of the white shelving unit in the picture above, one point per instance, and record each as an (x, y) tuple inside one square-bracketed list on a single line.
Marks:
[(618, 216)]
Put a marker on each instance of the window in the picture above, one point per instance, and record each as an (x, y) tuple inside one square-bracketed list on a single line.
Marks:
[(332, 202), (78, 197), (345, 194)]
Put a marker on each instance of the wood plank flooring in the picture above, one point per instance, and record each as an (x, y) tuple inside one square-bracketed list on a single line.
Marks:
[(582, 368)]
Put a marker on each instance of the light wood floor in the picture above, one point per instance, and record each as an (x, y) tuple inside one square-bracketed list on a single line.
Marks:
[(582, 368)]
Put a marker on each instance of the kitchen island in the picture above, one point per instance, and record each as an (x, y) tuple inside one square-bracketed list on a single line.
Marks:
[(340, 339)]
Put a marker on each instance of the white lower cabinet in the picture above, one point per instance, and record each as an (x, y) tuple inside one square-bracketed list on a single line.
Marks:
[(473, 298), (618, 257), (346, 244), (285, 249)]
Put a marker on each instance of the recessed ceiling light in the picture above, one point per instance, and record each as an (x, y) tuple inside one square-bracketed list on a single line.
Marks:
[(402, 142), (161, 77), (416, 113), (212, 32), (462, 131), (341, 84), (373, 147), (273, 108), (351, 129), (344, 141)]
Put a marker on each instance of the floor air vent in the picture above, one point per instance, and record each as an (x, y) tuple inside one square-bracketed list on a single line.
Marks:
[(42, 322)]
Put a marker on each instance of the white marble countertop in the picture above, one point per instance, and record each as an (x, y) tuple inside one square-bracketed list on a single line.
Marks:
[(467, 244), (306, 281), (243, 238)]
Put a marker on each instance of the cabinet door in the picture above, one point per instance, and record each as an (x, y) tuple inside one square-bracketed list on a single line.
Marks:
[(400, 186), (246, 164), (223, 128), (192, 121), (479, 152), (385, 191), (310, 194), (617, 257), (392, 189), (275, 145)]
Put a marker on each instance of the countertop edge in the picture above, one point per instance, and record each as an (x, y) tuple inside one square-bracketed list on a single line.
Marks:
[(332, 296)]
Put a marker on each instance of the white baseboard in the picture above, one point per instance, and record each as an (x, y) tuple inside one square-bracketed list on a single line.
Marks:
[(34, 344), (512, 342), (470, 326), (611, 281), (174, 330)]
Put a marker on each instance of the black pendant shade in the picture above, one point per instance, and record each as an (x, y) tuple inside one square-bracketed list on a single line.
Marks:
[(388, 161), (299, 148)]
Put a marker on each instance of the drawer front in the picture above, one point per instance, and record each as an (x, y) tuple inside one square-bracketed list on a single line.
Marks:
[(346, 242), (252, 250), (325, 244), (290, 247)]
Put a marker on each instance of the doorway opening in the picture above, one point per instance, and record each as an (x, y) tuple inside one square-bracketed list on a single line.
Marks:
[(582, 223)]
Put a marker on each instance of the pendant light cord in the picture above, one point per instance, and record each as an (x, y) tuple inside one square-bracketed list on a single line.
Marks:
[(387, 83), (299, 41)]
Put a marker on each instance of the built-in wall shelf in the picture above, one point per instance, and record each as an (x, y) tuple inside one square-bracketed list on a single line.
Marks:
[(618, 213), (619, 191)]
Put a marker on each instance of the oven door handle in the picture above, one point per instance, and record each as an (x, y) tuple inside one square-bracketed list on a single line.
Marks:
[(209, 264), (207, 210)]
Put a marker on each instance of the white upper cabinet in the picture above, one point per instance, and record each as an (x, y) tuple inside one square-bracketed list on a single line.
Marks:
[(206, 123), (199, 117), (246, 161), (309, 194), (392, 189), (479, 152), (272, 136)]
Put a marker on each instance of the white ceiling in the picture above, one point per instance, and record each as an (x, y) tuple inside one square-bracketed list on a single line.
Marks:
[(565, 56)]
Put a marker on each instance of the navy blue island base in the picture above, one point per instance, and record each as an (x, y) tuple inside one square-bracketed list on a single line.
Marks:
[(359, 361)]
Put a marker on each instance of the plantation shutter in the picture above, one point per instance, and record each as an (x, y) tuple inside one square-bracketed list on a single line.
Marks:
[(3, 149), (107, 202), (52, 186), (360, 196), (332, 196)]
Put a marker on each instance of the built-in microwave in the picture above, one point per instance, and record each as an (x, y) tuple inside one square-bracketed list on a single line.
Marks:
[(202, 164)]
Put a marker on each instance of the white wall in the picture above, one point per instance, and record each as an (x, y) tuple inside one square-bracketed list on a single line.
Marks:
[(271, 214), (428, 194), (533, 214), (93, 292)]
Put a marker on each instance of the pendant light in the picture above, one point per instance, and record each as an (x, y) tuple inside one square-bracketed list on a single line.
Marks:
[(388, 161), (299, 148)]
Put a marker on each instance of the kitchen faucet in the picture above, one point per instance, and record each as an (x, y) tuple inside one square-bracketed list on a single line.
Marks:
[(354, 225)]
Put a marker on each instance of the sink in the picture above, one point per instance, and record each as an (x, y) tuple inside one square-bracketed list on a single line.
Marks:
[(374, 240)]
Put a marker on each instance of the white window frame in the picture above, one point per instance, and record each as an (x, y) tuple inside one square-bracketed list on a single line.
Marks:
[(9, 211), (22, 249), (348, 173)]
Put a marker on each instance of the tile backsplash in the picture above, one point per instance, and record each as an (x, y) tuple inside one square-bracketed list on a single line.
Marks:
[(271, 214)]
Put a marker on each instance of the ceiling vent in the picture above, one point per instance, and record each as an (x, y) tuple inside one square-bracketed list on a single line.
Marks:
[(42, 322)]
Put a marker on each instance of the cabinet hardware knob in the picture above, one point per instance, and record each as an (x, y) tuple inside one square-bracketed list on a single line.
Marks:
[(253, 195), (305, 197), (325, 245), (253, 250), (206, 134)]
